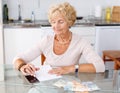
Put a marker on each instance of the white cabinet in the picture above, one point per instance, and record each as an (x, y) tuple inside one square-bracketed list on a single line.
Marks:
[(86, 32), (47, 31), (107, 38), (19, 40)]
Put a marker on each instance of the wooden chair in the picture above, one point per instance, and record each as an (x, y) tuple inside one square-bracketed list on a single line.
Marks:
[(112, 55), (42, 59)]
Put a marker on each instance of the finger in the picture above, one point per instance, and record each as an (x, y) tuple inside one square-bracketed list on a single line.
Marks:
[(32, 67), (29, 70), (24, 71)]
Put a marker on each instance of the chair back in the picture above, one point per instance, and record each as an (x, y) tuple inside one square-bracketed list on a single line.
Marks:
[(42, 59)]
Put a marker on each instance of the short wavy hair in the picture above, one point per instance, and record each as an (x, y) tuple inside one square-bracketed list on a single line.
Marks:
[(66, 10)]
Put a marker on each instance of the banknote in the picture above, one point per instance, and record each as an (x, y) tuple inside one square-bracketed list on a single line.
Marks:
[(76, 86)]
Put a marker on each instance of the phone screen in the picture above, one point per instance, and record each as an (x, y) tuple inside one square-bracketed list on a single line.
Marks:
[(32, 79)]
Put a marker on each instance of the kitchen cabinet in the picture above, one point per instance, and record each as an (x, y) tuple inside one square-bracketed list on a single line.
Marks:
[(47, 31), (17, 40), (107, 38), (86, 32)]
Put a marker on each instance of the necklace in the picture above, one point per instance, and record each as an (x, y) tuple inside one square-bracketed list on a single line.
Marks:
[(64, 42)]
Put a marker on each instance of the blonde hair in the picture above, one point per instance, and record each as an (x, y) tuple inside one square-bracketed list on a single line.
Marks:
[(66, 10)]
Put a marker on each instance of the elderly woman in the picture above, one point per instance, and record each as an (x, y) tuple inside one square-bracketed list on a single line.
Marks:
[(62, 50)]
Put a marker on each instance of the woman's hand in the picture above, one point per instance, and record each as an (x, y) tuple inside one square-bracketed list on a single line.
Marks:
[(62, 70), (29, 69)]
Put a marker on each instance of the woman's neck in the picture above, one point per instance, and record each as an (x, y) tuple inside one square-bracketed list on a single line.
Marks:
[(64, 38)]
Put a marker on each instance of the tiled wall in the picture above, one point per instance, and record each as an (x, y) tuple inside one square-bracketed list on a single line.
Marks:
[(40, 7)]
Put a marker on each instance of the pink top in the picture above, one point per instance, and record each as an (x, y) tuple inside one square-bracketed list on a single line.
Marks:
[(71, 56)]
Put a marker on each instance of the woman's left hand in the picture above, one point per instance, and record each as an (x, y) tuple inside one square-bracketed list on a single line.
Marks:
[(62, 70)]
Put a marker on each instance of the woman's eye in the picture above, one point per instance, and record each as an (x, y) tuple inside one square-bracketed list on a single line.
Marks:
[(61, 21)]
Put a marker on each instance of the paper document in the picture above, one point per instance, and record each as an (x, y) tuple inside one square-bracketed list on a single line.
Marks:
[(43, 75)]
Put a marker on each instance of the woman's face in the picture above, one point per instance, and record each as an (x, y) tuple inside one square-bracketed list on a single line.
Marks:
[(59, 24)]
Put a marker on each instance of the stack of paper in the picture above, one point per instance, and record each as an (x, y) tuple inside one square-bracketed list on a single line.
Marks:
[(43, 75)]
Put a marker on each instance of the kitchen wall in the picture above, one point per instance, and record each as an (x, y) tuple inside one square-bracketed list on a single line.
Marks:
[(40, 7)]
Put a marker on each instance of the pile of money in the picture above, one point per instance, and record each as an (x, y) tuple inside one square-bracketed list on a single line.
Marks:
[(76, 86)]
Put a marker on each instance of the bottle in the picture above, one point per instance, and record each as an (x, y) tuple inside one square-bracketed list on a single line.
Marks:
[(19, 11), (108, 14), (5, 13), (32, 17)]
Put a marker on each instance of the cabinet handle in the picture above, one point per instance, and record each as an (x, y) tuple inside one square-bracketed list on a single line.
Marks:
[(92, 44)]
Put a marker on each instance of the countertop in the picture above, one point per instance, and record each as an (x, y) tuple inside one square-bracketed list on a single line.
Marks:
[(26, 24), (45, 23), (104, 23)]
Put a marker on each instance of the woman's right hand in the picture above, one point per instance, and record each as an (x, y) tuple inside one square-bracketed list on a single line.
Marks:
[(29, 69)]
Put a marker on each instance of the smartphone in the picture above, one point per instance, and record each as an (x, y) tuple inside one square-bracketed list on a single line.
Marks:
[(31, 79)]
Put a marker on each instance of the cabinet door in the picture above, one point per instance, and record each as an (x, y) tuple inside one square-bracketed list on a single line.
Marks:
[(47, 31), (86, 32), (19, 40)]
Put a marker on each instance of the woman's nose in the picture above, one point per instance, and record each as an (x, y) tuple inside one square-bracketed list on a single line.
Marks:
[(56, 24)]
